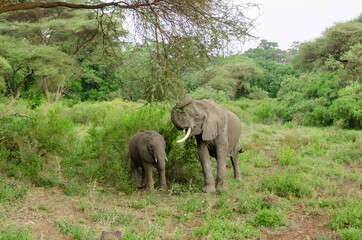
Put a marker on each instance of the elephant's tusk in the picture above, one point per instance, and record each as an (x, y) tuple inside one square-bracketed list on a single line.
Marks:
[(166, 159), (186, 137), (156, 160)]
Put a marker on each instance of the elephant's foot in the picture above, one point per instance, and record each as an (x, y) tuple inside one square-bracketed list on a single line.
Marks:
[(162, 188), (238, 178), (208, 189), (149, 189), (220, 187), (141, 185)]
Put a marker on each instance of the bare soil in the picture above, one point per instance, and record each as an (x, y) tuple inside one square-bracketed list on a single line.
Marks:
[(41, 208)]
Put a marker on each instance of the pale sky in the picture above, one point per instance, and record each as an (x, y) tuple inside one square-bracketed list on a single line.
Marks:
[(285, 21)]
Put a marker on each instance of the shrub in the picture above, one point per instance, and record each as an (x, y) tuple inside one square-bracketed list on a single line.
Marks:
[(257, 93), (77, 231), (252, 204), (266, 112), (286, 184), (12, 233), (350, 234), (210, 93), (183, 166), (11, 191), (348, 107), (268, 217), (115, 218), (88, 113), (217, 228), (287, 156), (349, 216)]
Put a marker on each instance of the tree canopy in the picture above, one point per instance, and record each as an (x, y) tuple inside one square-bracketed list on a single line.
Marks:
[(212, 22)]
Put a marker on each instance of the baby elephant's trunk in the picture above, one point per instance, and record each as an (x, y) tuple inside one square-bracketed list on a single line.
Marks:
[(160, 155)]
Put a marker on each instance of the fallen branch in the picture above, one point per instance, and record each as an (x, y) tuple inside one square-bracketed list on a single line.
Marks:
[(21, 115)]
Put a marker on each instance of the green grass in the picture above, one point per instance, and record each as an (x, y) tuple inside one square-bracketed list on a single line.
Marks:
[(268, 217), (76, 230), (13, 233), (347, 216), (216, 228), (287, 184), (12, 190), (114, 218)]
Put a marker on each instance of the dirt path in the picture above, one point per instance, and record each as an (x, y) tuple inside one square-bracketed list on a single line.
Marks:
[(41, 208)]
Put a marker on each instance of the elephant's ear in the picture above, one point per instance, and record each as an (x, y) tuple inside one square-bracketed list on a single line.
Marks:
[(143, 148), (214, 123)]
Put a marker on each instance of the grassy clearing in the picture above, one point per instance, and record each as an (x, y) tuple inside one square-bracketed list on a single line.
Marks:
[(75, 158)]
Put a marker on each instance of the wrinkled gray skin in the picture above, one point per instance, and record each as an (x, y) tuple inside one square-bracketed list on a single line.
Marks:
[(217, 133), (147, 149)]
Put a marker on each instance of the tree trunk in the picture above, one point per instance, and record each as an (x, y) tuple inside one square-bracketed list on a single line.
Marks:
[(59, 92), (45, 88), (17, 96)]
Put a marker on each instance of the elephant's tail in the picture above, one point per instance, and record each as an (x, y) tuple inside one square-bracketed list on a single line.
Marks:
[(241, 150)]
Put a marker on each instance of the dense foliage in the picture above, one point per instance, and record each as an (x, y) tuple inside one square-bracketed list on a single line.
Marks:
[(329, 88)]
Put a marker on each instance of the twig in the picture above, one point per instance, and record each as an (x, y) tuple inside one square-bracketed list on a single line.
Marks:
[(21, 115)]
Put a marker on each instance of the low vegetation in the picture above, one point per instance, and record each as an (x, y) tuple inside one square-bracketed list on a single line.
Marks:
[(290, 172)]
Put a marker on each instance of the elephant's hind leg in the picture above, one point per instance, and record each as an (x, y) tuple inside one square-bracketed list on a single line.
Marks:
[(235, 162), (135, 175)]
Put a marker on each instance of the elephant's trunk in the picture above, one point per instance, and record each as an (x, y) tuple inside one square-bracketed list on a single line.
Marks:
[(186, 136), (160, 155)]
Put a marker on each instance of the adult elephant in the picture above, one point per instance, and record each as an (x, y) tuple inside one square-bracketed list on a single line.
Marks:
[(147, 149), (217, 133)]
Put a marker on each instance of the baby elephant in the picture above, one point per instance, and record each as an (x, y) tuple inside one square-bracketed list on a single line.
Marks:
[(147, 149)]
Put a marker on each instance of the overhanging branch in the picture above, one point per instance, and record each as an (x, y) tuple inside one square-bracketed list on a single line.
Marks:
[(31, 5)]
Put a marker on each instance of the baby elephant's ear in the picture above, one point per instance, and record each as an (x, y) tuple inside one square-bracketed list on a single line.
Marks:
[(145, 153), (143, 148)]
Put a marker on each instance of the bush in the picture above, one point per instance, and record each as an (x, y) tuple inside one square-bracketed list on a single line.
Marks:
[(210, 93), (257, 93), (10, 190), (265, 112), (61, 146), (225, 229), (268, 217), (287, 184), (287, 156), (12, 233), (317, 99), (349, 216), (348, 107), (76, 230), (350, 234)]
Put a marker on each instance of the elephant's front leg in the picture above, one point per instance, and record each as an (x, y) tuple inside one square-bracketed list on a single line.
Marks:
[(221, 166), (209, 184), (148, 176)]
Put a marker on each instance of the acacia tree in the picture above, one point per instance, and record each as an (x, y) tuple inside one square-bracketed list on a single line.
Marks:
[(54, 69), (75, 33), (171, 26)]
